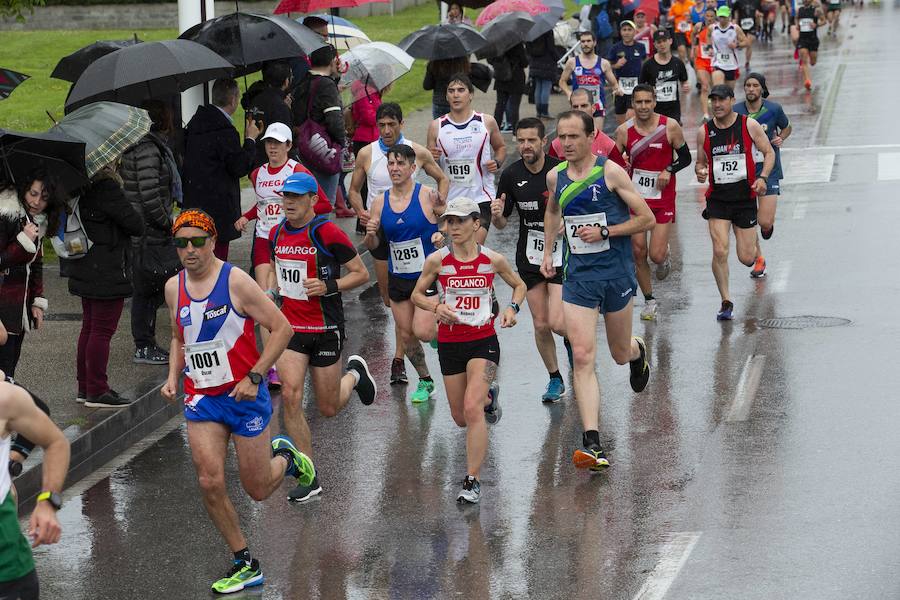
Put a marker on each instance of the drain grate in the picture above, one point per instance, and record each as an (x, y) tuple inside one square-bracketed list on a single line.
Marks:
[(63, 317), (802, 322)]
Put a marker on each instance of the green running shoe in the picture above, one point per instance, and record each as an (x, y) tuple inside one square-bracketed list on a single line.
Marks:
[(299, 464), (242, 575), (423, 392)]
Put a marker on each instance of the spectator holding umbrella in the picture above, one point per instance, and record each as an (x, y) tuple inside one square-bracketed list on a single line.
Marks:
[(457, 14), (542, 57), (509, 84)]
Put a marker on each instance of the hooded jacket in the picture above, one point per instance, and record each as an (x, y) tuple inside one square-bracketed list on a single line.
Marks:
[(21, 265), (147, 184), (542, 57)]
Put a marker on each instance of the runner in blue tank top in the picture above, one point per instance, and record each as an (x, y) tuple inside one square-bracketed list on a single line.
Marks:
[(600, 210), (590, 71)]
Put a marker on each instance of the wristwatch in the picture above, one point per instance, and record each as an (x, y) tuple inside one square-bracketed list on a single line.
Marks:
[(604, 232), (53, 498), (255, 378), (515, 307)]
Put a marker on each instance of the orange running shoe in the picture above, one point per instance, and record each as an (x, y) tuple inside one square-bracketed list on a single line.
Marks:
[(807, 84), (759, 267), (591, 458)]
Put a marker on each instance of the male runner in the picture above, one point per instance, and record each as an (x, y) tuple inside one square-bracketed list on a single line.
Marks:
[(587, 70), (18, 578), (663, 72), (809, 18), (405, 218), (626, 58), (775, 123), (748, 13), (726, 40), (591, 197), (371, 174), (725, 147), (307, 254), (645, 31), (523, 186), (469, 147), (703, 58), (581, 100), (648, 142), (214, 308), (833, 14), (680, 17), (468, 349)]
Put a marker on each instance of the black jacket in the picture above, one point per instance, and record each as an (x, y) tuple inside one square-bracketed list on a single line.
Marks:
[(147, 184), (542, 57), (516, 60), (214, 162), (326, 98), (109, 219), (269, 107)]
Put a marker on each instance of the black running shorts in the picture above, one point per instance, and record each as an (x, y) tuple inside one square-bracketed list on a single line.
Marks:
[(400, 289), (741, 214), (533, 278), (323, 348), (455, 356)]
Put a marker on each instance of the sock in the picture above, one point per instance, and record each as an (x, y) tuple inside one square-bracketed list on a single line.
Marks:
[(556, 375), (648, 297), (242, 555), (591, 438), (428, 379), (355, 374)]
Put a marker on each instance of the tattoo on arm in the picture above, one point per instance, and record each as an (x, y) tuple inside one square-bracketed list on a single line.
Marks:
[(490, 372)]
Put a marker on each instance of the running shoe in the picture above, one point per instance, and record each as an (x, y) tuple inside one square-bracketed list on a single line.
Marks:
[(81, 397), (365, 387), (648, 313), (759, 267), (663, 270), (302, 493), (272, 379), (592, 458), (807, 84), (299, 465), (150, 355), (470, 492), (569, 354), (493, 412), (640, 368), (433, 343), (767, 233), (555, 390), (423, 391), (108, 399), (398, 372), (242, 575), (726, 312)]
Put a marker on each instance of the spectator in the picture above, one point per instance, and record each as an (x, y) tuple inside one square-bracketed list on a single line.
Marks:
[(270, 102), (26, 215), (324, 107), (365, 130), (300, 64), (542, 57), (511, 65), (456, 14), (437, 77), (215, 161), (102, 279), (151, 183)]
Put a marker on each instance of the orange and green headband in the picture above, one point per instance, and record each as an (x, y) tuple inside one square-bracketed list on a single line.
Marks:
[(195, 218)]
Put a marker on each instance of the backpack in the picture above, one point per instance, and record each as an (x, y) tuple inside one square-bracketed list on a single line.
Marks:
[(316, 148), (72, 241)]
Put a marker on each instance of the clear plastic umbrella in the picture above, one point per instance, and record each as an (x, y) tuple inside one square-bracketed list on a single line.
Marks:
[(373, 67)]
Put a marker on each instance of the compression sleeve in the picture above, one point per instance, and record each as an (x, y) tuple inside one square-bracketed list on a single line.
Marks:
[(683, 159)]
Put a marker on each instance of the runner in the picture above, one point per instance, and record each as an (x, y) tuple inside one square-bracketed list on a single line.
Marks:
[(809, 18), (626, 58), (405, 218), (468, 349), (469, 147), (581, 100), (523, 186), (748, 13), (663, 72), (371, 174), (645, 31), (680, 17), (727, 144), (775, 123), (833, 14), (18, 578), (587, 70), (770, 13), (307, 255), (726, 40), (591, 197), (214, 344), (703, 59), (649, 142)]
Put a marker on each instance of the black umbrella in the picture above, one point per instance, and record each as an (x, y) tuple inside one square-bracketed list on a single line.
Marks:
[(246, 40), (437, 42), (10, 80), (63, 156), (149, 70), (545, 22), (504, 32), (70, 67)]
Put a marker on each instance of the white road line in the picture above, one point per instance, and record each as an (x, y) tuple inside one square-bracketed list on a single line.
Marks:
[(800, 207), (889, 166), (781, 276), (746, 388), (673, 554)]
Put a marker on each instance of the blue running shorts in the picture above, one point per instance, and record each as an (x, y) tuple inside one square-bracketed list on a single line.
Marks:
[(247, 418), (610, 295)]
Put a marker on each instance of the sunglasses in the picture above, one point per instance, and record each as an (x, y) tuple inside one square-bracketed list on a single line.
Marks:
[(196, 242)]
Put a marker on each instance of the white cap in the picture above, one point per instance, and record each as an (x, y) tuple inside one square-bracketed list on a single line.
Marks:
[(278, 131), (462, 207)]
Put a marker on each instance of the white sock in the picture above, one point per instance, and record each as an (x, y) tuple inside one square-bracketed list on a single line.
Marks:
[(355, 374)]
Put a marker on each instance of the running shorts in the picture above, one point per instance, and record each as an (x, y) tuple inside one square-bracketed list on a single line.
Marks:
[(533, 278), (741, 214), (811, 44), (400, 289), (322, 347), (681, 39), (454, 357), (833, 7), (664, 213), (703, 64), (247, 418), (26, 587), (729, 75), (610, 295), (261, 252)]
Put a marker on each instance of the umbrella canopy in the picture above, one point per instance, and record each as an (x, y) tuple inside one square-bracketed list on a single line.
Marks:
[(10, 80), (21, 153), (149, 70), (70, 67), (436, 42), (469, 3), (311, 6), (246, 40), (502, 7), (373, 66), (546, 21), (107, 129), (504, 32)]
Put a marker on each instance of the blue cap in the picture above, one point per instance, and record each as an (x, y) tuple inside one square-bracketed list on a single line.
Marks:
[(300, 183)]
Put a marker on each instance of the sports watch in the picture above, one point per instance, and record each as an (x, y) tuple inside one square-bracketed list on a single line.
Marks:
[(53, 498), (255, 378), (604, 232)]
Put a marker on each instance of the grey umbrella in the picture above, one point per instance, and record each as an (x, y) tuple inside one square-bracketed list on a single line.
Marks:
[(545, 22), (504, 32), (437, 42), (148, 70), (21, 153)]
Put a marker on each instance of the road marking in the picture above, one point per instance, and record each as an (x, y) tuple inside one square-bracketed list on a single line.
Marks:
[(800, 207), (746, 388), (673, 554), (889, 166), (781, 276), (808, 168)]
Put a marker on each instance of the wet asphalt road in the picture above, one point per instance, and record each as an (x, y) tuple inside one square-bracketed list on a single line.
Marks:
[(760, 463)]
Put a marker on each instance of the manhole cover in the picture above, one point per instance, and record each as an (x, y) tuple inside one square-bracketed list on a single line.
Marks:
[(802, 322), (63, 317)]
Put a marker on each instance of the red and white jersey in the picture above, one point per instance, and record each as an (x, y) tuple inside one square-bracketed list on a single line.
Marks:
[(649, 156), (266, 182), (467, 288), (465, 150), (219, 342)]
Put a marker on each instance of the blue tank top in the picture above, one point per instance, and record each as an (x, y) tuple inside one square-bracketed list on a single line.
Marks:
[(593, 79), (408, 235), (590, 196)]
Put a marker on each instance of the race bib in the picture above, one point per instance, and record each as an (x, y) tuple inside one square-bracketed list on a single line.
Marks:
[(461, 170), (645, 183), (729, 168), (747, 24), (684, 27), (706, 51), (576, 244), (207, 364), (807, 25), (534, 249), (726, 60), (646, 44), (407, 257), (290, 275), (628, 84), (473, 307), (667, 91), (270, 215)]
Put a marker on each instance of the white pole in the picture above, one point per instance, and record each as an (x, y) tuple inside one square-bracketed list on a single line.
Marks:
[(190, 13), (445, 8)]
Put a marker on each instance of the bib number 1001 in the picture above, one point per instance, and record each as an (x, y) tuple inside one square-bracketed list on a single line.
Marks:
[(468, 302), (204, 360)]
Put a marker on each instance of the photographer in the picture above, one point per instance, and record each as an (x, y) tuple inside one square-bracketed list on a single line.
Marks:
[(268, 102)]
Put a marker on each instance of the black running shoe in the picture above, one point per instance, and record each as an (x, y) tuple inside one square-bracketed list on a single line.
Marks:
[(398, 372), (470, 492), (767, 233), (365, 387), (493, 412), (303, 493), (109, 399), (640, 368)]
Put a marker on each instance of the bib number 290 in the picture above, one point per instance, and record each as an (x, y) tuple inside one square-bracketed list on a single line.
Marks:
[(468, 302)]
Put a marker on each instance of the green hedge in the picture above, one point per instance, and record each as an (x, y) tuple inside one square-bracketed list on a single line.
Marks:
[(93, 2)]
